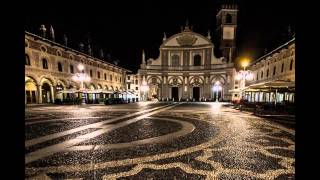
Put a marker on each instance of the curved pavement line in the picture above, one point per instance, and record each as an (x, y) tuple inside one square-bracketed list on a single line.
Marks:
[(62, 146), (186, 129), (60, 119), (94, 125), (89, 166)]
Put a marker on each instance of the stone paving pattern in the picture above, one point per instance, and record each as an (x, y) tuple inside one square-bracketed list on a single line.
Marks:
[(222, 143)]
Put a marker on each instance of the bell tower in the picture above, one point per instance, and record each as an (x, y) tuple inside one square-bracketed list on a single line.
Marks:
[(226, 19)]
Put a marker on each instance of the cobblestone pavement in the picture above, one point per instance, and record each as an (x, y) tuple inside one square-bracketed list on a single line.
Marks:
[(148, 140)]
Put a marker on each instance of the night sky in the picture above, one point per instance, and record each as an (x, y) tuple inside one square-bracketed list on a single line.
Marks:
[(123, 29)]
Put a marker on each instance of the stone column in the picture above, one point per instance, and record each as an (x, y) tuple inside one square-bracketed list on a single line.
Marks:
[(39, 89), (54, 93)]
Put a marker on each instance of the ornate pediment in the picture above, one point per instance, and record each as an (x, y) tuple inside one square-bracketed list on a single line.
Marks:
[(186, 40)]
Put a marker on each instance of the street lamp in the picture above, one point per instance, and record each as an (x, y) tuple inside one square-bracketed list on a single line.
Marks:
[(144, 88), (244, 74), (81, 77)]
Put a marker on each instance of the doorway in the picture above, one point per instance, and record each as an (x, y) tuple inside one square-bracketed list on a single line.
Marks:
[(46, 93), (31, 91), (196, 93), (175, 93)]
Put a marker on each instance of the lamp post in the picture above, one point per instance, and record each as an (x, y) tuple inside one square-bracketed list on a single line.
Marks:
[(144, 88), (244, 74), (81, 77)]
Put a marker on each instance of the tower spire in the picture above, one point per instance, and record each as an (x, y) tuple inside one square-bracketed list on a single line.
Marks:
[(164, 36), (65, 40), (143, 57), (209, 36), (52, 33)]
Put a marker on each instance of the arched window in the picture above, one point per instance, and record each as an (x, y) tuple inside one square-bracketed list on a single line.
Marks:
[(228, 18), (90, 73), (261, 74), (175, 60), (98, 75), (71, 69), (27, 60), (197, 60), (274, 70), (291, 64), (59, 67), (44, 63), (268, 73), (282, 66)]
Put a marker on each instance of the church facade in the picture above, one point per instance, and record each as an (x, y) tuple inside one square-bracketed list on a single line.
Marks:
[(187, 68)]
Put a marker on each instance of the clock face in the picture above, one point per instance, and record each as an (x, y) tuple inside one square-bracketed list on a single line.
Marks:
[(228, 33)]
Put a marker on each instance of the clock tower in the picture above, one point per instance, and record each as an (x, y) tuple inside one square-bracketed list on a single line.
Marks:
[(226, 19)]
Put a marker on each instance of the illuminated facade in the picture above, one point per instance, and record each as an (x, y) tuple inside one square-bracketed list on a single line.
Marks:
[(133, 87), (273, 76), (50, 67), (187, 68)]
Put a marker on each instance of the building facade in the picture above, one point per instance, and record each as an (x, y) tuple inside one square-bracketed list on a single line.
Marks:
[(133, 87), (50, 68), (273, 76), (187, 70)]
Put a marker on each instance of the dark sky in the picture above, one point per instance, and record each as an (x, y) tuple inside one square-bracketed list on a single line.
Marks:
[(124, 28)]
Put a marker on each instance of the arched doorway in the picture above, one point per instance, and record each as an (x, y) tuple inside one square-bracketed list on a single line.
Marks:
[(196, 93), (154, 91), (46, 93), (30, 91), (175, 93), (217, 91)]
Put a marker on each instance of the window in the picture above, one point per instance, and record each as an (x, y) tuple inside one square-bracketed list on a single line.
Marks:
[(236, 87), (90, 73), (282, 67), (59, 67), (228, 18), (175, 60), (98, 75), (27, 60), (105, 76), (137, 88), (128, 77), (261, 74), (268, 73), (120, 79), (71, 69), (274, 70), (110, 77), (128, 85), (44, 64), (235, 95), (136, 81), (291, 64), (197, 60)]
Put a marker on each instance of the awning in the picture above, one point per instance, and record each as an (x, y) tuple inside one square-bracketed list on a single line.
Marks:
[(289, 85), (95, 91), (69, 91)]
